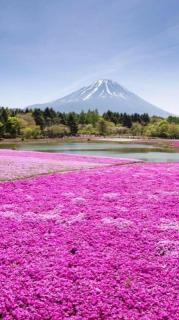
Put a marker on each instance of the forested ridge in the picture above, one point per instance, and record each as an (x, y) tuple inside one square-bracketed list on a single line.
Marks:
[(49, 123)]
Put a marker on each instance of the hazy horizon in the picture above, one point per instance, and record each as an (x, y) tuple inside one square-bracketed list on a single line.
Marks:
[(50, 49)]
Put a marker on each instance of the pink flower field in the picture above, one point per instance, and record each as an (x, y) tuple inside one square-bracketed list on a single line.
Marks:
[(90, 244), (21, 164), (176, 143)]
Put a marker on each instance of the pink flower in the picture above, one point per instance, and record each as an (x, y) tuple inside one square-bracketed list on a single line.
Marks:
[(91, 244)]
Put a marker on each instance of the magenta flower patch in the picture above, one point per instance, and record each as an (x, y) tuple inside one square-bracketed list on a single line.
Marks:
[(93, 244), (174, 143)]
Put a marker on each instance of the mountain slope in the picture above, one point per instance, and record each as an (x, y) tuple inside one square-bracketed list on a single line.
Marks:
[(103, 95)]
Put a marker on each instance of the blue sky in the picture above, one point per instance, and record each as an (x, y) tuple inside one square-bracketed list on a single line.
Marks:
[(49, 48)]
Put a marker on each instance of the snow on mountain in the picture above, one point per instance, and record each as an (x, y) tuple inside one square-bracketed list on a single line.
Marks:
[(103, 95)]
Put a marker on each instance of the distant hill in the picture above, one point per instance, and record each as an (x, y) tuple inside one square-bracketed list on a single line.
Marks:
[(104, 95)]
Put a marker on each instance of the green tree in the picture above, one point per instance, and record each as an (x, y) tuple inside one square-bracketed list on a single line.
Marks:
[(126, 120), (92, 117), (13, 127), (33, 132), (1, 129), (72, 123), (173, 119), (57, 131), (39, 118), (3, 115), (87, 129), (102, 127), (137, 129), (82, 117), (173, 130), (158, 128)]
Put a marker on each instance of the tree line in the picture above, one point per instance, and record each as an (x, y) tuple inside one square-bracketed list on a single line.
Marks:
[(49, 123)]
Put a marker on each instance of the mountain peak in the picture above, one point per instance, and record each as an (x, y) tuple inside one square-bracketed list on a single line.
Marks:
[(105, 81), (103, 88), (104, 94)]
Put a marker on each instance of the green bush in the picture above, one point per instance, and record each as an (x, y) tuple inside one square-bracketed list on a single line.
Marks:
[(56, 131), (33, 132), (87, 129)]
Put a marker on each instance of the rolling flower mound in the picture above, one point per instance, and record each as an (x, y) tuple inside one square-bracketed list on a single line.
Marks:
[(94, 244), (174, 143), (21, 164)]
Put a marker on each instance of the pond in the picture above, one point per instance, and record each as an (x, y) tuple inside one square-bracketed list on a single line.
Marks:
[(113, 149)]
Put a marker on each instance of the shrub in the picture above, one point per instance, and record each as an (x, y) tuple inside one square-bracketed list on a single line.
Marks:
[(56, 131)]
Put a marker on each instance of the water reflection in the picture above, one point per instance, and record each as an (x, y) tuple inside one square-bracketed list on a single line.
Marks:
[(125, 150)]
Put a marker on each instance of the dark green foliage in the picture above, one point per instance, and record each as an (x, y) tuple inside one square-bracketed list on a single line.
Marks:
[(39, 118), (50, 123), (12, 127), (125, 119), (72, 123), (172, 119)]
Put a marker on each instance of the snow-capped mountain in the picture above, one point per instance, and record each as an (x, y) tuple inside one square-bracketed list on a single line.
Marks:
[(103, 95)]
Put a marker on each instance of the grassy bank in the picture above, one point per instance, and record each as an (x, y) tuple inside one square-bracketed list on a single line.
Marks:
[(166, 143)]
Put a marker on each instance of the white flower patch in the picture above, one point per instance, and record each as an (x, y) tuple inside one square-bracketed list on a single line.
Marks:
[(122, 209), (168, 224), (169, 193), (29, 197), (75, 218), (55, 216), (67, 220), (78, 200), (7, 206), (119, 222), (30, 214), (153, 197), (68, 194), (110, 195), (8, 214), (168, 248)]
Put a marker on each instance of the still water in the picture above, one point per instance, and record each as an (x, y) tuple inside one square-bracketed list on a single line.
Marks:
[(125, 150)]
